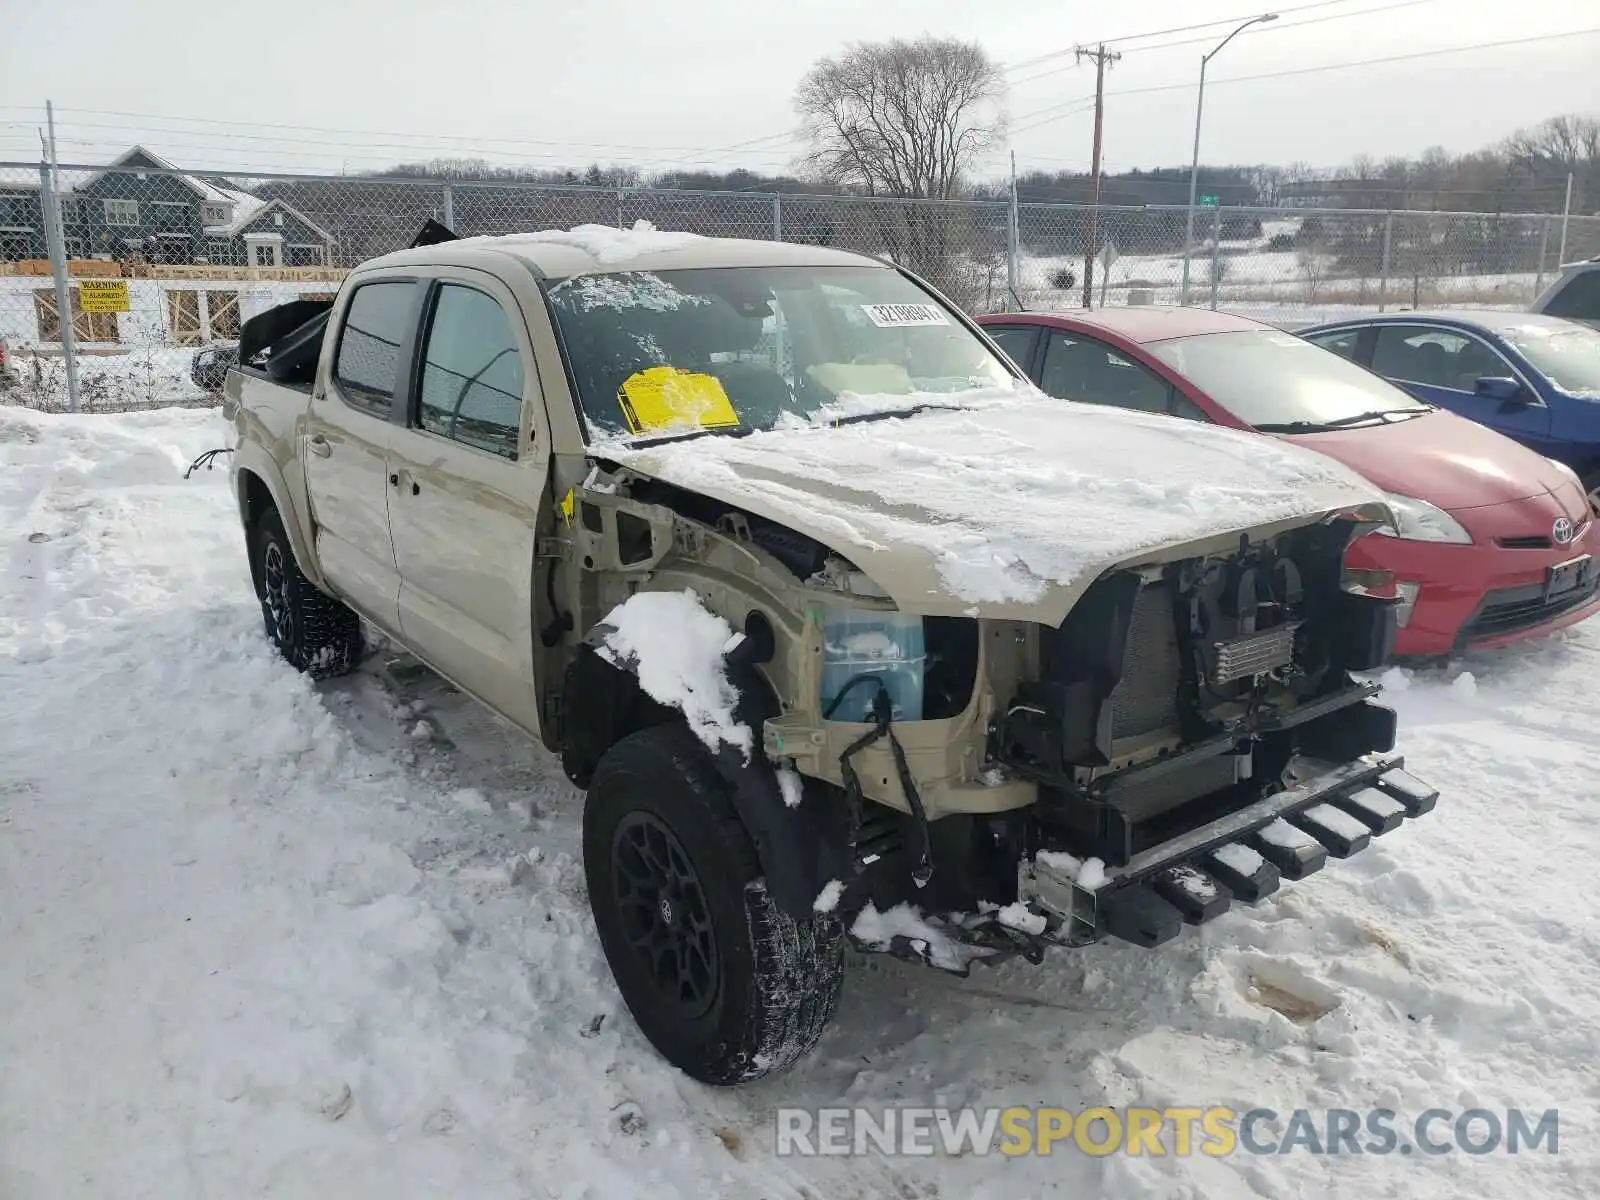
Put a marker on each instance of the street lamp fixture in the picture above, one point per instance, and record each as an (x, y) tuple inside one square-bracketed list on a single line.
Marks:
[(1194, 167)]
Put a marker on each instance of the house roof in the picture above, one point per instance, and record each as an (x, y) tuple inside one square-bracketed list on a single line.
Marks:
[(242, 204), (259, 208)]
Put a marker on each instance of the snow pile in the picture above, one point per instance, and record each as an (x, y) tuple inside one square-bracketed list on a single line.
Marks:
[(879, 929), (609, 246), (828, 898), (256, 941), (676, 646), (1012, 493)]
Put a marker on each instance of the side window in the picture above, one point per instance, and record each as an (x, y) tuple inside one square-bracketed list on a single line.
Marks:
[(1342, 343), (375, 327), (1017, 341), (471, 373), (1434, 357), (1579, 299), (1186, 408), (1077, 368)]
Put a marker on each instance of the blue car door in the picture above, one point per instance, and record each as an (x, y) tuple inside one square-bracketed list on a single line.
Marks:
[(1444, 366)]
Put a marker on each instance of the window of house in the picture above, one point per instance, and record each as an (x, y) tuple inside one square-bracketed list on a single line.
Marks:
[(471, 373), (216, 214), (367, 368), (122, 212), (1077, 368), (265, 254)]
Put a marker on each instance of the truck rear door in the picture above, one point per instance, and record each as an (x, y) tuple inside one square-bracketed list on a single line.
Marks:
[(472, 462), (349, 429)]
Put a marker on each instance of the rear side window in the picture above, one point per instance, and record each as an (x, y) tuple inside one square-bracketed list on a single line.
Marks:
[(471, 373), (375, 328), (1579, 299)]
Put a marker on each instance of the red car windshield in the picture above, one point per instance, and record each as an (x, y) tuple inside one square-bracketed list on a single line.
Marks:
[(1270, 379)]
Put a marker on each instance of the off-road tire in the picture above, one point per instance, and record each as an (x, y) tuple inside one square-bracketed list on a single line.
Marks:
[(776, 980), (314, 632)]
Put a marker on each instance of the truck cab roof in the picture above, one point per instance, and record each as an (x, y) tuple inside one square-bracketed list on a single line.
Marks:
[(594, 249)]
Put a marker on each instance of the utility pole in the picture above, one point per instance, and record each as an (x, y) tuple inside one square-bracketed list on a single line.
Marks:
[(1101, 57)]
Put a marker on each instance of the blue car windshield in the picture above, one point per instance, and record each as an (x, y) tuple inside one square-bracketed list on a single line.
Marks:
[(1568, 356)]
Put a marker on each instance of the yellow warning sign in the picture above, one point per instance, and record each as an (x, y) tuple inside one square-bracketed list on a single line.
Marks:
[(664, 397), (103, 295)]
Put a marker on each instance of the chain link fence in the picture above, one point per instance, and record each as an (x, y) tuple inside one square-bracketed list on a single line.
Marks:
[(161, 263)]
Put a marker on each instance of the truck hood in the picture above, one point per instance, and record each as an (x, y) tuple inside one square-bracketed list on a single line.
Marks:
[(1012, 504)]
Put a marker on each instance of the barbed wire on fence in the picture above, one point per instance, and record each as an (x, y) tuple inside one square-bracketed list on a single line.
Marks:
[(189, 256)]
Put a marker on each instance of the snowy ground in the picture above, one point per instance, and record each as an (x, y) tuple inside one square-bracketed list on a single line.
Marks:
[(260, 937)]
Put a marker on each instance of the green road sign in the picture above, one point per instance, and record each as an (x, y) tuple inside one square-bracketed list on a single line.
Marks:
[(1209, 201)]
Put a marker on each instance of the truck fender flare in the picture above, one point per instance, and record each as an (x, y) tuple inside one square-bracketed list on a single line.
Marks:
[(251, 459), (800, 849)]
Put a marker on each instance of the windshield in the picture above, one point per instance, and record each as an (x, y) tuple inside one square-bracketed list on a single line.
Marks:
[(733, 349), (1267, 378), (1569, 357)]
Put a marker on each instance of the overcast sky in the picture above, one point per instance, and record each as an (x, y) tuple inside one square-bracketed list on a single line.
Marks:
[(334, 84)]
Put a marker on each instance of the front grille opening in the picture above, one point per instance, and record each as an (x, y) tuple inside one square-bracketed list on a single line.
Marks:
[(1523, 543), (1516, 609)]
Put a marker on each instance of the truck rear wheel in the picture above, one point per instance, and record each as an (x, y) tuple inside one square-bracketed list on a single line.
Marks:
[(726, 985), (313, 631)]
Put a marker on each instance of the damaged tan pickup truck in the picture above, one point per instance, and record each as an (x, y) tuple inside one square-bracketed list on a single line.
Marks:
[(849, 633)]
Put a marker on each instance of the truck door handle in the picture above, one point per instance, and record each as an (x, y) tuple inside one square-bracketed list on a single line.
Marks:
[(319, 446)]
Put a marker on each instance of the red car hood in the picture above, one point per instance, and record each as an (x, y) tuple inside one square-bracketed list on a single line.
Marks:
[(1448, 461)]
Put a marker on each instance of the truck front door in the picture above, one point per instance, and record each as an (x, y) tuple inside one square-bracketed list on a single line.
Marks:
[(472, 468), (348, 433)]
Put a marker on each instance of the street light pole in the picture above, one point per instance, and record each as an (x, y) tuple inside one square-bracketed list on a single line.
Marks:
[(1194, 165)]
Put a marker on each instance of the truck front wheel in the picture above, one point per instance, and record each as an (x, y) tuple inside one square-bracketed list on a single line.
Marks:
[(313, 631), (726, 985)]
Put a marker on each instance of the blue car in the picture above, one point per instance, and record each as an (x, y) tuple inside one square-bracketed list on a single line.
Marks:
[(1534, 378)]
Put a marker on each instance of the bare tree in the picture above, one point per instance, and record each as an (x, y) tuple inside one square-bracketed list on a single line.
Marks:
[(907, 120)]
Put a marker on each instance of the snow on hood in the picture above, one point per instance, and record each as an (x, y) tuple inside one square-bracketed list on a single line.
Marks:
[(1011, 505)]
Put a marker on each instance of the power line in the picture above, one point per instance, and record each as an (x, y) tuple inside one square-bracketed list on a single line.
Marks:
[(1364, 62), (1273, 28), (365, 133), (1135, 37)]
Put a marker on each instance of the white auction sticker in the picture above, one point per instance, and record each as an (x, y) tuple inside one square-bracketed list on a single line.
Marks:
[(893, 316)]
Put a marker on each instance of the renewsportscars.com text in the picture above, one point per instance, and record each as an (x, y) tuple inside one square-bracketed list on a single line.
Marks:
[(1158, 1132)]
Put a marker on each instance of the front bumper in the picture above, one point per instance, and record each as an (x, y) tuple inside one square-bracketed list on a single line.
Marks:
[(1241, 855), (1478, 597)]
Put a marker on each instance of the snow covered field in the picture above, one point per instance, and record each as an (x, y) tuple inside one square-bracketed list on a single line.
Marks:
[(261, 937)]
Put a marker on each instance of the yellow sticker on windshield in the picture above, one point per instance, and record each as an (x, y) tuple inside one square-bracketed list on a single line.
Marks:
[(663, 397)]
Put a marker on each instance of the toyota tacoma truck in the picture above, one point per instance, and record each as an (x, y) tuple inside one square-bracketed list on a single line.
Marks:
[(850, 636)]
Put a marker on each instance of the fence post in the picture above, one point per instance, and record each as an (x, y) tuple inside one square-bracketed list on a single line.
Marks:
[(777, 216), (1216, 252), (1566, 214), (449, 206), (1544, 248), (1013, 297), (1383, 271), (55, 243), (620, 196)]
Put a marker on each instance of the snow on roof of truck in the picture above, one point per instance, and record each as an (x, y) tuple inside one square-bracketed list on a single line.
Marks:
[(587, 249)]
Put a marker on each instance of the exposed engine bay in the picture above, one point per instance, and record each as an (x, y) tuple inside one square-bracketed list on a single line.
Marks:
[(1174, 697)]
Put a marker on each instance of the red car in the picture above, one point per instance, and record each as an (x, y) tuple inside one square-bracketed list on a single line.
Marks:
[(1494, 544)]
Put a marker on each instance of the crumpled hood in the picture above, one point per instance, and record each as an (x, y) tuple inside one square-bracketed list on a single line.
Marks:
[(1010, 506)]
